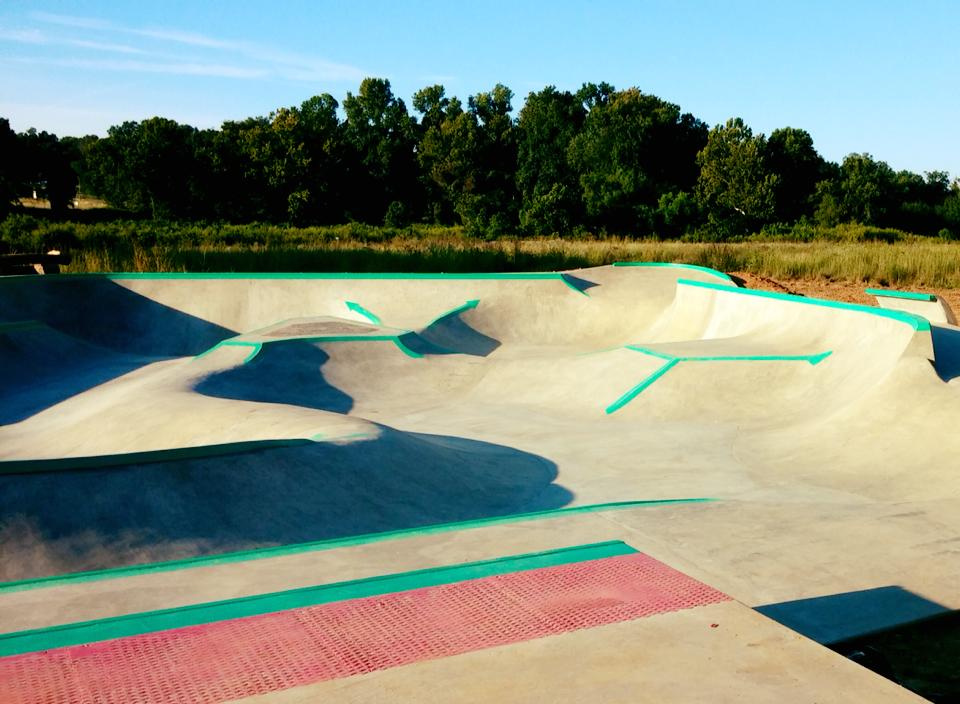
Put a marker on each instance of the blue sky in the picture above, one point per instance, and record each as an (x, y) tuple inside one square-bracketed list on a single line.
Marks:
[(880, 77)]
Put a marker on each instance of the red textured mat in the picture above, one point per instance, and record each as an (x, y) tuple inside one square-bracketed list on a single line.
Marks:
[(232, 659)]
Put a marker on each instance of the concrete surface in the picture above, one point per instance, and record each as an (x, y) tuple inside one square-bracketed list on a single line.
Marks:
[(823, 434)]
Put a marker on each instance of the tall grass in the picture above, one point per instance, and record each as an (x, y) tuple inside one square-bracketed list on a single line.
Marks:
[(919, 264), (851, 253)]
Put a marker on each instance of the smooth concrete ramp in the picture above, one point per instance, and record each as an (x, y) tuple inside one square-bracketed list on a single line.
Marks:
[(175, 441)]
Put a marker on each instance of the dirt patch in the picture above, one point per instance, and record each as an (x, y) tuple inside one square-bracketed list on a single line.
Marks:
[(834, 290)]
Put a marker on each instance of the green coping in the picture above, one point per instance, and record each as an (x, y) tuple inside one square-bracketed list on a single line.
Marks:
[(909, 295), (61, 464), (20, 325), (353, 276), (914, 321), (813, 359), (469, 305), (695, 267), (197, 614), (357, 308), (639, 388), (232, 342), (297, 548)]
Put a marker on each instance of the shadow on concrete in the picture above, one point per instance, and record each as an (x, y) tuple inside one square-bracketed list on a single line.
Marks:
[(582, 285), (102, 312), (68, 521), (946, 350), (452, 335), (40, 368), (921, 656), (283, 372), (837, 617), (91, 331)]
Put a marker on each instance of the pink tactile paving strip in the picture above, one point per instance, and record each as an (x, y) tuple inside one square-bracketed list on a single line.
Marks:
[(226, 660)]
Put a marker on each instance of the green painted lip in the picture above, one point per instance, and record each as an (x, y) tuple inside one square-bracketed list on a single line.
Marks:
[(914, 321), (909, 295), (356, 276), (695, 267), (360, 310), (331, 544), (196, 614), (61, 464)]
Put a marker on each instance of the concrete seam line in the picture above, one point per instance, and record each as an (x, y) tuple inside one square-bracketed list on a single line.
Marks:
[(694, 267), (329, 544), (638, 389), (909, 295), (360, 310), (82, 632), (915, 321)]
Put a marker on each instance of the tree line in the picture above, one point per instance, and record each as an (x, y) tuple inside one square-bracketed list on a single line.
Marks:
[(598, 160)]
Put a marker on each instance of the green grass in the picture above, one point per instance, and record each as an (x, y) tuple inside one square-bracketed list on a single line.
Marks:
[(852, 253)]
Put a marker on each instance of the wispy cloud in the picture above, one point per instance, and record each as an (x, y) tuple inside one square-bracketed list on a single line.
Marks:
[(256, 60), (36, 37), (182, 68)]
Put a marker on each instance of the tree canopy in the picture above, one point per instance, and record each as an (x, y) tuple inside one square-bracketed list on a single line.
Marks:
[(598, 159)]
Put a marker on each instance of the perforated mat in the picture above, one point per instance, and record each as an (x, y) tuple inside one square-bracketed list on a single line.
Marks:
[(260, 654)]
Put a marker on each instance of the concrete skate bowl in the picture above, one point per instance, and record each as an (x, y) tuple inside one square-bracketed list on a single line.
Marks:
[(151, 417)]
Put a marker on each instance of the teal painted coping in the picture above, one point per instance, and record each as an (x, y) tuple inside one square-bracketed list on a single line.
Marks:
[(909, 295), (331, 544), (20, 325), (672, 360), (813, 359), (469, 305), (639, 388), (258, 346), (914, 321), (61, 464), (197, 614), (359, 309), (121, 275), (695, 267)]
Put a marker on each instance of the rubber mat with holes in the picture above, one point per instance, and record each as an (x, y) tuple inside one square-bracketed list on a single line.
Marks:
[(242, 657)]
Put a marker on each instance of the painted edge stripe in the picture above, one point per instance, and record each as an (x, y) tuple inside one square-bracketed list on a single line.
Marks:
[(638, 389), (695, 267), (195, 614), (914, 321), (355, 276), (909, 295), (568, 280), (395, 339), (469, 305), (60, 464), (360, 310), (329, 544), (813, 359), (20, 325)]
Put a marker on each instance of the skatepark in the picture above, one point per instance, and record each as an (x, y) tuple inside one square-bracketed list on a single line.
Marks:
[(637, 482)]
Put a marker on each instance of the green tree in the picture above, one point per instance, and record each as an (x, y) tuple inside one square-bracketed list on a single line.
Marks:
[(736, 187), (11, 178), (550, 198), (469, 157), (382, 166), (798, 168), (633, 149)]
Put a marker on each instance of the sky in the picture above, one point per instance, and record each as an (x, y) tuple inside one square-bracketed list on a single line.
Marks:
[(879, 77)]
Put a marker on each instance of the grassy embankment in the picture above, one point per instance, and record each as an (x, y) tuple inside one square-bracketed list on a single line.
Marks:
[(851, 253)]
